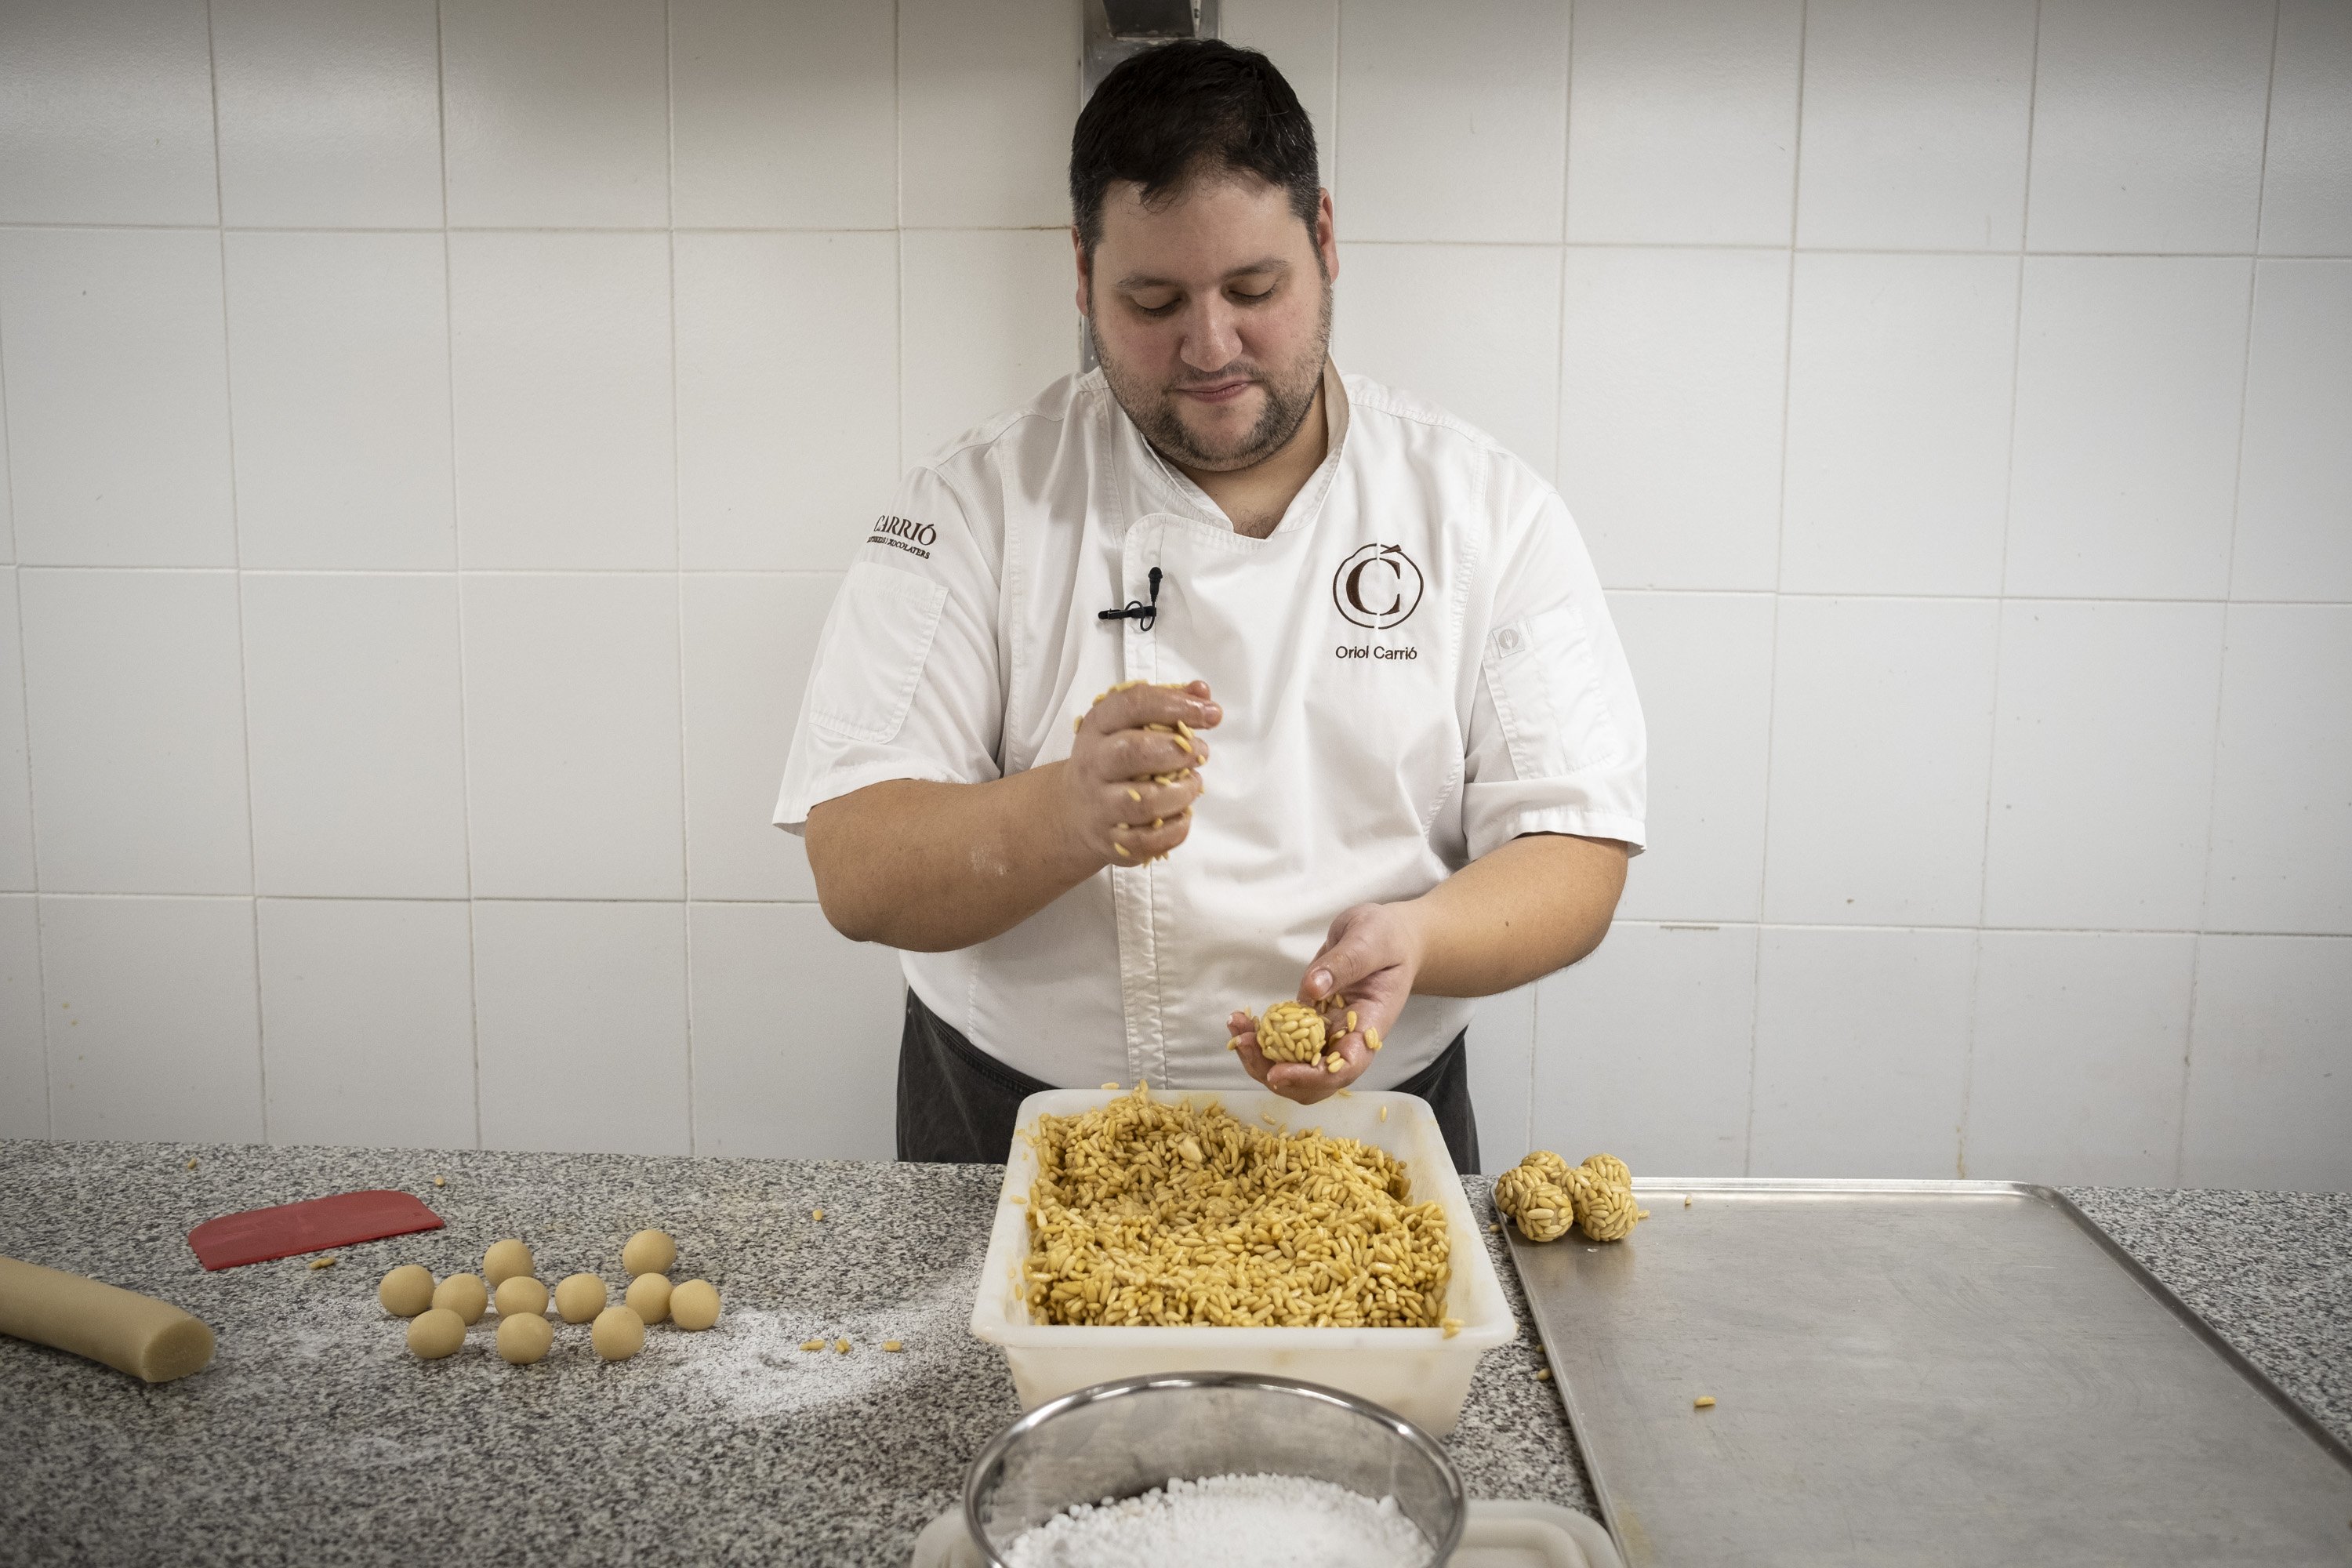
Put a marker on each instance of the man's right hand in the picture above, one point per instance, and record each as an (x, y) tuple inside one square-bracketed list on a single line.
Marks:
[(933, 867), (1110, 797)]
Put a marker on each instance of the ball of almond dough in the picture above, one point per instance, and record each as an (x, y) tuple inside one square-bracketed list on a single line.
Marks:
[(648, 1296), (578, 1297), (521, 1296), (464, 1295), (648, 1252), (504, 1260), (694, 1305), (618, 1333), (523, 1340), (435, 1333), (406, 1290)]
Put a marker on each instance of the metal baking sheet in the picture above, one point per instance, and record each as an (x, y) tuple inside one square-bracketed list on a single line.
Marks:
[(1916, 1373)]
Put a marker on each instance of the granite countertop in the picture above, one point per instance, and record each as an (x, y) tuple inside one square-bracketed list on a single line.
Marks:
[(315, 1438)]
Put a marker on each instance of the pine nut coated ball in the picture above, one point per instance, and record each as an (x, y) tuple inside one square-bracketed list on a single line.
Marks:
[(504, 1260), (694, 1306), (1610, 1169), (618, 1333), (1546, 1194), (578, 1297), (465, 1295), (406, 1290), (648, 1252), (435, 1333)]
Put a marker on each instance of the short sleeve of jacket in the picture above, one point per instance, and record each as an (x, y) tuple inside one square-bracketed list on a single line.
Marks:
[(906, 679), (1556, 742)]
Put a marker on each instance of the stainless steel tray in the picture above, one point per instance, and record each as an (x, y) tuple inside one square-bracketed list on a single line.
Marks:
[(1916, 1373)]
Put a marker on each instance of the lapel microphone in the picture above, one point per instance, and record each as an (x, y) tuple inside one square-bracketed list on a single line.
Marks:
[(1141, 614)]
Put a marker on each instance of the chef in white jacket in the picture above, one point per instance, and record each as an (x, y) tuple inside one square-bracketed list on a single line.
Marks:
[(1386, 743)]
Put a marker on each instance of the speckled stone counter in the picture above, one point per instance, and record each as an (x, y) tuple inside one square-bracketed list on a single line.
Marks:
[(315, 1438)]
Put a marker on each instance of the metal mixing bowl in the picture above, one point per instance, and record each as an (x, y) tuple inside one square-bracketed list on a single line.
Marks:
[(1120, 1439)]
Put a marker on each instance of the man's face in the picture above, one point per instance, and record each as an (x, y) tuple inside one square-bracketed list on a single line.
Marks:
[(1210, 316)]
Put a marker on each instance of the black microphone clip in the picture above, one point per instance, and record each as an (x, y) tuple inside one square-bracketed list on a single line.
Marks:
[(1143, 614)]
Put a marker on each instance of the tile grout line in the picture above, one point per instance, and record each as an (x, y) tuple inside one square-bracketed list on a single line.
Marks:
[(237, 555), (1559, 459), (32, 836), (678, 550), (1763, 858), (1644, 922), (448, 570), (457, 554), (1339, 114), (1559, 391), (1969, 1055), (2229, 614), (2000, 601), (1560, 294), (899, 222), (1643, 589), (1779, 572), (1558, 451), (1367, 242)]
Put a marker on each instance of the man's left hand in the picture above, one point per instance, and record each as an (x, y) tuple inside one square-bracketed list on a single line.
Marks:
[(1370, 956)]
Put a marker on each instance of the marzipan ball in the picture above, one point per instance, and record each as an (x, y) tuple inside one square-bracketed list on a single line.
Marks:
[(695, 1304), (406, 1290), (578, 1297), (648, 1296), (435, 1333), (524, 1340), (464, 1295), (619, 1334), (521, 1296), (648, 1252), (504, 1260)]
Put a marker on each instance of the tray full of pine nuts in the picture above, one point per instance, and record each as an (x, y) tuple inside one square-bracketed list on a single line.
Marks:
[(1239, 1231)]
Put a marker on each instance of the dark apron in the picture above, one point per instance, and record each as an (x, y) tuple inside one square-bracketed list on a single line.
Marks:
[(957, 1103)]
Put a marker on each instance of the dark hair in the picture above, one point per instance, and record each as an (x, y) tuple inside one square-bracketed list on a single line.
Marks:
[(1180, 109)]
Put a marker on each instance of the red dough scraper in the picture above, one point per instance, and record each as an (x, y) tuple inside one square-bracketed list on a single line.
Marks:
[(256, 1235)]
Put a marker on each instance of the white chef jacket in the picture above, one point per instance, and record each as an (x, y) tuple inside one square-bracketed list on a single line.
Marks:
[(1415, 667)]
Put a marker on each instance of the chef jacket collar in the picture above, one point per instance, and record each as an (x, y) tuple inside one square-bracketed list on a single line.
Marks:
[(1153, 473)]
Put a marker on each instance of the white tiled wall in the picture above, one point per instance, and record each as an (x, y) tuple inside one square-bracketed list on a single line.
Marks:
[(433, 432)]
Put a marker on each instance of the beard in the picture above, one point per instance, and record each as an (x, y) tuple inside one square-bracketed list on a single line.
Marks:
[(1289, 391)]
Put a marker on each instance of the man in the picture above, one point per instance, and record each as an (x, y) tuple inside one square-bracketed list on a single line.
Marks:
[(1382, 740)]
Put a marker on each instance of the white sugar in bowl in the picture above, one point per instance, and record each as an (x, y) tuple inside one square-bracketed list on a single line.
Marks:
[(1123, 1439)]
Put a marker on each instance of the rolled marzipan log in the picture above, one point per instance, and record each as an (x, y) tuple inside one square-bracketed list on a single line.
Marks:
[(129, 1333)]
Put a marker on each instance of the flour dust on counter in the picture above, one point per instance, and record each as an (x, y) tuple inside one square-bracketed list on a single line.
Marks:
[(765, 1369)]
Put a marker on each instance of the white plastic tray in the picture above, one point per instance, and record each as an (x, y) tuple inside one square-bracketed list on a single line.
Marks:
[(1418, 1373), (1497, 1534)]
